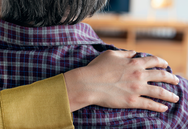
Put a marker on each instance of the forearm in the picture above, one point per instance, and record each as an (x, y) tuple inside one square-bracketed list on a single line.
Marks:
[(43, 104)]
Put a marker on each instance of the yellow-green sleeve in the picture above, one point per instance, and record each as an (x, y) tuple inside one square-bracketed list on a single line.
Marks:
[(41, 105)]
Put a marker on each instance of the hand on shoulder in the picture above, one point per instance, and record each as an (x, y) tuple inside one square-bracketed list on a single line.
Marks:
[(116, 80)]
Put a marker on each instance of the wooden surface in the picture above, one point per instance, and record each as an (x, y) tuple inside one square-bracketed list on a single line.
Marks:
[(175, 52)]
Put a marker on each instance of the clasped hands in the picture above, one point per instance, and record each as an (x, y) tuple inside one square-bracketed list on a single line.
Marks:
[(116, 80)]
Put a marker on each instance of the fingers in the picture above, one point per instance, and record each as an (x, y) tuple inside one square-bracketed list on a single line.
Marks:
[(150, 62), (160, 93), (145, 103), (125, 54), (161, 76)]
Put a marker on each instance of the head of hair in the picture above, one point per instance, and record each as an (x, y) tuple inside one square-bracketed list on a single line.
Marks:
[(39, 13)]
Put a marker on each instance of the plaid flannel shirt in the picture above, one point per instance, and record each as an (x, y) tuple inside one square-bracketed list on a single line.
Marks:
[(31, 54)]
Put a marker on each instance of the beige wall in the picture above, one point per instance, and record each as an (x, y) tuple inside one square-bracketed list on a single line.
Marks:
[(140, 9)]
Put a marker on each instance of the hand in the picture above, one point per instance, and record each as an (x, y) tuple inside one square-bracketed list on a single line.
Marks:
[(116, 80)]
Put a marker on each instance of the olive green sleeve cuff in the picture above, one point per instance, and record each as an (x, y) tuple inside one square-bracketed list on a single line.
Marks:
[(41, 105)]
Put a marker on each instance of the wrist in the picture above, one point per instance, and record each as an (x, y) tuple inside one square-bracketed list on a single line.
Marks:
[(78, 92)]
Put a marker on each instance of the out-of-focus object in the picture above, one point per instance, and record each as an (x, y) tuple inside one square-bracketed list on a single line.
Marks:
[(167, 5), (118, 6), (158, 4)]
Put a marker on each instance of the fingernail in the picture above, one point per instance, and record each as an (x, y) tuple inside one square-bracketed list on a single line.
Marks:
[(165, 108), (133, 52), (177, 80), (176, 98), (166, 62)]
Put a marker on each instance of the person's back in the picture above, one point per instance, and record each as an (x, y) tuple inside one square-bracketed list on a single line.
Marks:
[(31, 54)]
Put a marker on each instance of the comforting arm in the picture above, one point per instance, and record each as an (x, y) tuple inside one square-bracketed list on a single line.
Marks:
[(43, 104)]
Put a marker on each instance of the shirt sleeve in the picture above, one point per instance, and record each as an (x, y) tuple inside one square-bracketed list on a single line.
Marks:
[(43, 104)]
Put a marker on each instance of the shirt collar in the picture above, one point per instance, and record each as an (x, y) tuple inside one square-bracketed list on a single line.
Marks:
[(80, 33)]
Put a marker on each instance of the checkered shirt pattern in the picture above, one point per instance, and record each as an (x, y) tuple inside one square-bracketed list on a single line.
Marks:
[(31, 54)]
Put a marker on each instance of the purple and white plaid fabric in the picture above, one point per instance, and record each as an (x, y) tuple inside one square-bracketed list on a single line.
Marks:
[(31, 54)]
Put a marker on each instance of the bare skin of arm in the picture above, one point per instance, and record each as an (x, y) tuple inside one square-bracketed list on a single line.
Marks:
[(116, 80)]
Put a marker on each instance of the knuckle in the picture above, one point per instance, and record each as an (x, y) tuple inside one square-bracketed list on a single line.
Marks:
[(131, 101), (157, 107), (138, 74), (162, 92), (109, 52), (156, 59), (154, 106), (136, 88), (149, 105), (135, 62), (164, 74)]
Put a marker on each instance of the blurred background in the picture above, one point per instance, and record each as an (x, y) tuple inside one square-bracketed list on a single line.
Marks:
[(158, 27)]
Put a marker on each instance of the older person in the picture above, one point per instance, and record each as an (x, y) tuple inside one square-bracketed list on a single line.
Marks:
[(43, 38)]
